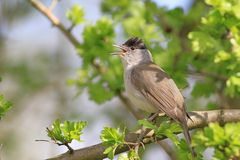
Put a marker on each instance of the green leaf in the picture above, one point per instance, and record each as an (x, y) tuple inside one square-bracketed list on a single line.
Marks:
[(217, 133), (233, 85), (112, 138), (225, 140), (202, 41), (222, 56), (168, 126), (172, 136), (99, 73), (132, 155), (73, 130), (116, 8), (4, 106), (183, 151), (203, 89), (175, 18), (211, 106), (99, 93), (147, 124), (75, 14), (123, 156), (67, 131), (165, 129), (55, 132), (101, 45), (169, 129), (110, 151)]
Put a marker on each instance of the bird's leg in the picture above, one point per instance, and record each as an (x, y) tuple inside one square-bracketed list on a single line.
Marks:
[(144, 131), (153, 116), (161, 114)]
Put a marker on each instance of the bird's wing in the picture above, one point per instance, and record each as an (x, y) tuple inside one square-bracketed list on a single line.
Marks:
[(159, 89)]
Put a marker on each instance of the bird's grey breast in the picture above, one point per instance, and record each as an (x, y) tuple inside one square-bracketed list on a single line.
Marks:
[(136, 96)]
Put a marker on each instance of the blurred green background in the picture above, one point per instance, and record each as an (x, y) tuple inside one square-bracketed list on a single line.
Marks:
[(46, 77)]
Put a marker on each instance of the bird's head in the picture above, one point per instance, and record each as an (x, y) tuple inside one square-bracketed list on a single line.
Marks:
[(133, 52)]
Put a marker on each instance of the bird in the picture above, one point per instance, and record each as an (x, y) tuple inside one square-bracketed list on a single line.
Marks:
[(149, 87)]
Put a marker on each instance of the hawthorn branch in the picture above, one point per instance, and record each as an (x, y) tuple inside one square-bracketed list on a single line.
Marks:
[(200, 120), (209, 74), (54, 20)]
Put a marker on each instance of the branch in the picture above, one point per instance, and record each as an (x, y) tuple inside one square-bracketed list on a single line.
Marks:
[(209, 74), (54, 20), (200, 120), (53, 4)]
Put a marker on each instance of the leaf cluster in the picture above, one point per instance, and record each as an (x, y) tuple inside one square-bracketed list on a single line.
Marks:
[(112, 138), (63, 133), (216, 44), (75, 14), (4, 106), (166, 128), (99, 72), (224, 139)]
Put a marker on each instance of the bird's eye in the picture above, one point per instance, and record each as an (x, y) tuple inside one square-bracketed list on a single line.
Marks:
[(132, 48)]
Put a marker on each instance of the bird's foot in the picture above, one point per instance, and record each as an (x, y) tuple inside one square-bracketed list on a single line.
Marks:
[(153, 116)]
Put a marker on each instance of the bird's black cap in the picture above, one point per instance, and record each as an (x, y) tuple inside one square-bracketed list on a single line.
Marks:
[(135, 43)]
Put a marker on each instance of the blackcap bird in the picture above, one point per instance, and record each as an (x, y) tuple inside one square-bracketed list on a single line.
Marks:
[(150, 88)]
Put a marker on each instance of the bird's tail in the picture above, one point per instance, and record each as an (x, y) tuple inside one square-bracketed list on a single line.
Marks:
[(188, 138)]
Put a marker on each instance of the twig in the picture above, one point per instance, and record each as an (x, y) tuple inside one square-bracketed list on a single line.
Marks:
[(55, 141), (54, 20), (200, 119), (43, 140), (208, 74), (69, 148), (71, 27), (53, 4)]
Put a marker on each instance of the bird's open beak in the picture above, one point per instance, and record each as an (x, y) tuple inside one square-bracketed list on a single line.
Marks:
[(121, 52), (120, 47)]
